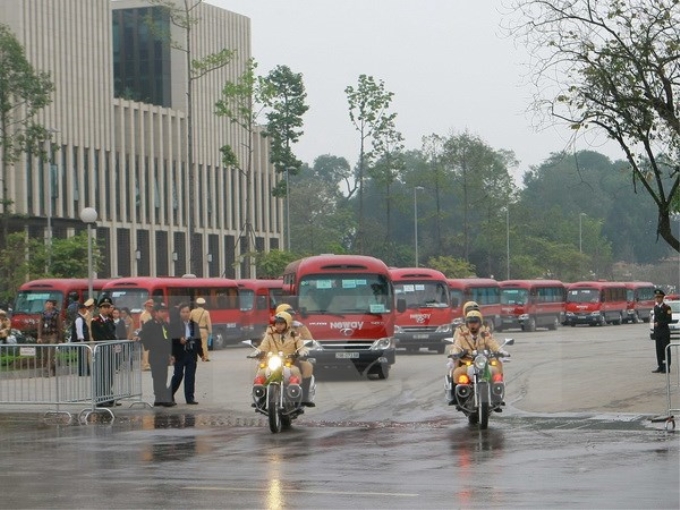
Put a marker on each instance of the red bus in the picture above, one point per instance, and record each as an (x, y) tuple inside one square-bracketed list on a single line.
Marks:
[(640, 297), (484, 291), (596, 303), (220, 294), (32, 295), (428, 318), (347, 302), (257, 301), (528, 304)]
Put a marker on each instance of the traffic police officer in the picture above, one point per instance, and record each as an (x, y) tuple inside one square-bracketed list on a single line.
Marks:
[(663, 316)]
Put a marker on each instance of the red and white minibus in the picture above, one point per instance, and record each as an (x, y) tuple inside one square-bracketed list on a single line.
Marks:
[(640, 297), (428, 318), (486, 292), (528, 304), (257, 300), (32, 295), (596, 303), (220, 294), (348, 304)]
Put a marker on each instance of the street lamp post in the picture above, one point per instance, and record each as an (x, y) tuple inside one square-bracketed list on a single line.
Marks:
[(48, 166), (415, 218), (507, 241), (89, 216), (580, 234)]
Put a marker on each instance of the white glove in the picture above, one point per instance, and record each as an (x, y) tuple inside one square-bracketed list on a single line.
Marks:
[(503, 353), (303, 351), (255, 354)]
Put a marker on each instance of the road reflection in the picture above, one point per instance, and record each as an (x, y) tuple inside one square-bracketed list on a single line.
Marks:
[(174, 447), (475, 451)]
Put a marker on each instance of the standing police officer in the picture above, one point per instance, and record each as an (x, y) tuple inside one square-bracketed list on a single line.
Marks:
[(662, 333), (102, 329)]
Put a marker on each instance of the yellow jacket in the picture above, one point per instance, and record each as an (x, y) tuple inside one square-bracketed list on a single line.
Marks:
[(287, 342), (201, 316), (465, 341)]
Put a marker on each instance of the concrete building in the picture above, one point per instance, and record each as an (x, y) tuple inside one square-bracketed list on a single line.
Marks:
[(120, 125)]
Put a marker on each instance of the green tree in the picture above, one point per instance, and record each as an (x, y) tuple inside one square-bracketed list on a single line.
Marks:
[(616, 66), (242, 102), (286, 101), (182, 14), (272, 263), (369, 105), (24, 92), (451, 266)]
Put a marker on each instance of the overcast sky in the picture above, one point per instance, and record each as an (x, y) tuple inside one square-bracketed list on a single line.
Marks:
[(448, 62)]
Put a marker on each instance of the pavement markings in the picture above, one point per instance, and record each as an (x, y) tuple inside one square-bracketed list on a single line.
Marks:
[(300, 491)]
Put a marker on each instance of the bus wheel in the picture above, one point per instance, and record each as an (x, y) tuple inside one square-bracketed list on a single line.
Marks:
[(555, 323), (531, 324)]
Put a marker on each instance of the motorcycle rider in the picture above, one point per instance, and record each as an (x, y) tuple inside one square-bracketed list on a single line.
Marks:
[(281, 337), (297, 326), (475, 337), (468, 307)]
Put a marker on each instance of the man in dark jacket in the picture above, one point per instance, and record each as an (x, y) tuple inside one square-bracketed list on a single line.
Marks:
[(104, 329), (186, 347), (156, 338), (663, 315)]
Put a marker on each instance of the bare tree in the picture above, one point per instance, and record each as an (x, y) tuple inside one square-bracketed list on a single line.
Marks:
[(613, 65)]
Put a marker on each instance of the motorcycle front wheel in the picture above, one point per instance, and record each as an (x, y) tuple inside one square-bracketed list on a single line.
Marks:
[(483, 415), (273, 409)]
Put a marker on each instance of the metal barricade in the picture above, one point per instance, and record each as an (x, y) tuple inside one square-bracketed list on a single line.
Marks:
[(96, 374), (672, 383)]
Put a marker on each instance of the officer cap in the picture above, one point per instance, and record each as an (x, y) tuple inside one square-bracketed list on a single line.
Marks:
[(148, 302), (3, 312), (283, 317), (89, 303), (105, 301), (159, 306), (659, 292), (284, 308), (200, 301), (473, 316)]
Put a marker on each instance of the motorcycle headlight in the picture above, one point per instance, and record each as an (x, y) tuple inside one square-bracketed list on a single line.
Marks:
[(274, 363), (383, 343), (444, 328), (480, 362)]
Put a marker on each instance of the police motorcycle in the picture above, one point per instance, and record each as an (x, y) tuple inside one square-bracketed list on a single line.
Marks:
[(477, 393), (278, 394)]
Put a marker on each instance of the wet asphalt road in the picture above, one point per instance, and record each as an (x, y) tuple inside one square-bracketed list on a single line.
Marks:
[(372, 444)]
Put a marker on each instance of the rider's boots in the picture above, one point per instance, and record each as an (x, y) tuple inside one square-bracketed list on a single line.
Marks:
[(306, 383)]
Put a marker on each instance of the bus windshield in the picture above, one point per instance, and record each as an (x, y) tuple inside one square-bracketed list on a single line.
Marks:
[(33, 301), (456, 298), (514, 296), (583, 296), (341, 294), (130, 298), (422, 294), (246, 299)]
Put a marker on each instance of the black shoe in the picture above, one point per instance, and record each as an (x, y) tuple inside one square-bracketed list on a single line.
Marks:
[(170, 404), (158, 404), (309, 404), (452, 402), (109, 403), (659, 371), (498, 410), (192, 403)]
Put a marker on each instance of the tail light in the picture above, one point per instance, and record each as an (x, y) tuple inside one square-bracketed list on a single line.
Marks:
[(463, 379)]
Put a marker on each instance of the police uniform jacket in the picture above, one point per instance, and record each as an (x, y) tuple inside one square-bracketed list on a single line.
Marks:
[(663, 315), (201, 316), (287, 342), (155, 336), (466, 341), (102, 328)]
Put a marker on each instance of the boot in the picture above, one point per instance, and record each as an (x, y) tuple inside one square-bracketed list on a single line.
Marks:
[(306, 383), (452, 399)]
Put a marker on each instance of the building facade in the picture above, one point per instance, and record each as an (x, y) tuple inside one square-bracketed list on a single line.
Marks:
[(119, 121)]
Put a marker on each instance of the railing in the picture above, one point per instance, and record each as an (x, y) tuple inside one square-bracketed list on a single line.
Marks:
[(672, 383), (96, 375)]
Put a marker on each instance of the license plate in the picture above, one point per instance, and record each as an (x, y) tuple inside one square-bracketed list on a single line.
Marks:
[(421, 336), (346, 355)]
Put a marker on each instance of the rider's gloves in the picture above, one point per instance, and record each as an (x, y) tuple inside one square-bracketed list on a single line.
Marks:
[(303, 351), (504, 353), (255, 354)]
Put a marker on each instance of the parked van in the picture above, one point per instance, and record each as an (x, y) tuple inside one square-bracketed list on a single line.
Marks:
[(257, 301), (640, 297), (596, 303), (486, 292), (531, 304)]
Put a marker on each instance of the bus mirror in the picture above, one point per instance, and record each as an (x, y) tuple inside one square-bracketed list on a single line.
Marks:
[(401, 305)]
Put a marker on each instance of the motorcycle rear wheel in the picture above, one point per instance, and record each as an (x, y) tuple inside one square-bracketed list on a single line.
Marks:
[(275, 424)]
